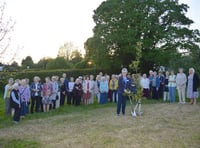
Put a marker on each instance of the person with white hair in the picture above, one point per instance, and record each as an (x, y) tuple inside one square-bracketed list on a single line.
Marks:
[(7, 91), (15, 102), (193, 84), (103, 90), (181, 81), (36, 99), (77, 91), (24, 94), (124, 83), (144, 82), (53, 96)]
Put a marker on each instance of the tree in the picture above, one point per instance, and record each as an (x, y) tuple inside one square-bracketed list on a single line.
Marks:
[(76, 57), (6, 27), (27, 62), (58, 63), (66, 50), (159, 25), (42, 64)]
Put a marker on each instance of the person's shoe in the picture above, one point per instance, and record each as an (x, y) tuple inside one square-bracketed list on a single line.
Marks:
[(16, 122), (22, 117), (133, 114), (117, 115)]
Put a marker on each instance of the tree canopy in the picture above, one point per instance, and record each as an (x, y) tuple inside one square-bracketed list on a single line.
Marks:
[(161, 26)]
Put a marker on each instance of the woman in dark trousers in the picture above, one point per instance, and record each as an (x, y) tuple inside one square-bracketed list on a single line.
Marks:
[(36, 88), (77, 91), (62, 92), (15, 103), (124, 83)]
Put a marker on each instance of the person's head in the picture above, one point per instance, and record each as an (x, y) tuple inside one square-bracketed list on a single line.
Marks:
[(87, 78), (191, 71), (150, 72), (160, 73), (23, 82), (10, 81), (154, 73), (62, 80), (47, 79), (98, 78), (91, 77), (172, 72), (144, 76), (101, 73), (27, 81), (72, 79), (167, 73), (17, 81), (124, 72), (57, 78), (36, 79), (180, 70), (103, 79), (53, 78), (107, 77), (15, 86), (113, 77), (77, 81), (64, 75)]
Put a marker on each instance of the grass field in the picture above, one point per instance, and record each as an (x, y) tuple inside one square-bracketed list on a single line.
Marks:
[(162, 125)]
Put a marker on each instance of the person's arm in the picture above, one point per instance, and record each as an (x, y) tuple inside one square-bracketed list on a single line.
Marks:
[(185, 79), (5, 92), (14, 98)]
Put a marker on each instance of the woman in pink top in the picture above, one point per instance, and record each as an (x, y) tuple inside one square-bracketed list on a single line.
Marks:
[(46, 93)]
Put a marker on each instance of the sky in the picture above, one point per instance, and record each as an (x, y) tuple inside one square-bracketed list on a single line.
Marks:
[(42, 26)]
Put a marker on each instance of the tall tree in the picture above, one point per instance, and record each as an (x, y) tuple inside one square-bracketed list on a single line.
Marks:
[(161, 27), (76, 57), (66, 50), (27, 62)]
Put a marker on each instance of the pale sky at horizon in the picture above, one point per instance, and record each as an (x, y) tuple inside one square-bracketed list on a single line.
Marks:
[(42, 26)]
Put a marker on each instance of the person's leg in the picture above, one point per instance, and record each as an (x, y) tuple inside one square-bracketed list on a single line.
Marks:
[(68, 99), (37, 98), (47, 107), (183, 94), (170, 94), (16, 117), (154, 93), (7, 106), (119, 103), (124, 104), (179, 94), (22, 109), (165, 96), (106, 98), (44, 108), (32, 103), (173, 94)]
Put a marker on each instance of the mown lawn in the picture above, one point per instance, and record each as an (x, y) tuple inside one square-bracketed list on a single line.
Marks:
[(162, 125)]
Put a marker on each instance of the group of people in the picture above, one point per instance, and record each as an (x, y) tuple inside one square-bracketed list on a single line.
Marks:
[(54, 91), (164, 85), (41, 97)]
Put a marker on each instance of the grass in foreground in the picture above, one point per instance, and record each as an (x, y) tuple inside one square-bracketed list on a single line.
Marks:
[(162, 125)]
